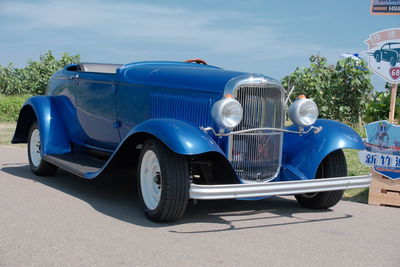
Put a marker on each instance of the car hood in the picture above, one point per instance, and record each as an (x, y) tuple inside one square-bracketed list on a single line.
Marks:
[(177, 75)]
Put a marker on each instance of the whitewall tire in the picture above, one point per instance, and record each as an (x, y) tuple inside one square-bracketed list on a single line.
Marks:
[(37, 164), (163, 182)]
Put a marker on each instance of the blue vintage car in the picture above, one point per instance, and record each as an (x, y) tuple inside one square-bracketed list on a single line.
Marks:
[(187, 131), (389, 52)]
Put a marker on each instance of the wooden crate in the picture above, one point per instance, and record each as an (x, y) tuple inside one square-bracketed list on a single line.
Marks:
[(384, 191)]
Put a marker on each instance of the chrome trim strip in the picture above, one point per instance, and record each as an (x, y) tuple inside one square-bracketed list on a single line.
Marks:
[(249, 79), (229, 191), (230, 142), (249, 131), (86, 80)]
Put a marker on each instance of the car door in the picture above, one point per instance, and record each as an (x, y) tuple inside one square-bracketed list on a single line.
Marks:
[(65, 87), (96, 109), (385, 52)]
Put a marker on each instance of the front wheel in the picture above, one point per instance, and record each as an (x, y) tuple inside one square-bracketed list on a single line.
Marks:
[(163, 182), (37, 164), (334, 165), (392, 61)]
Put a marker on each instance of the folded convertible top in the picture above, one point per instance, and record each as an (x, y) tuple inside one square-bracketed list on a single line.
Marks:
[(99, 67)]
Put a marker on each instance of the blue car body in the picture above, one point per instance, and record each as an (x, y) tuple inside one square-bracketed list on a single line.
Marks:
[(170, 101), (191, 131), (165, 120)]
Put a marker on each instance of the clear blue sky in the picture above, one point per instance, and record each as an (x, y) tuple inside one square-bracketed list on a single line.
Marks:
[(269, 37)]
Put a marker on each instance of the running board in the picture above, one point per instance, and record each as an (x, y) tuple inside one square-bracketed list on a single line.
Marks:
[(78, 164), (227, 191)]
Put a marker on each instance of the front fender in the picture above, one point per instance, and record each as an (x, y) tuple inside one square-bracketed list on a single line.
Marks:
[(53, 135), (302, 154), (180, 137)]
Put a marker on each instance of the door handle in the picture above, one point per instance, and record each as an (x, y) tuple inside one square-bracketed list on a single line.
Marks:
[(75, 77)]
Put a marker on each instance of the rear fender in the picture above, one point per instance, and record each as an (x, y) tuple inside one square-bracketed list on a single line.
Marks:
[(302, 154), (53, 135)]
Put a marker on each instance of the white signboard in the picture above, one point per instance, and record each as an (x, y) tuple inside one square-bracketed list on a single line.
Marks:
[(385, 7), (384, 54), (372, 159)]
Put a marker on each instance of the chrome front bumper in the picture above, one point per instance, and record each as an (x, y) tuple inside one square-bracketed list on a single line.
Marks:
[(227, 191)]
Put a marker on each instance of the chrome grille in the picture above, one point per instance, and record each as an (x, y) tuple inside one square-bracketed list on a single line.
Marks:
[(256, 156)]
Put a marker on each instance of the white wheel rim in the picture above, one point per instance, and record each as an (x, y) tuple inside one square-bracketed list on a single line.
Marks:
[(34, 148), (150, 180)]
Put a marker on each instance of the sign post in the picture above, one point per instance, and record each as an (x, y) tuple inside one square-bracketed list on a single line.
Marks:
[(393, 102)]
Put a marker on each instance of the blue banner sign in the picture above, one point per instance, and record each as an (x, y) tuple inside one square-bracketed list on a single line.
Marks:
[(383, 148)]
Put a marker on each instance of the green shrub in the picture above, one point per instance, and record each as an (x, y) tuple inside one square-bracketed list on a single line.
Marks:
[(10, 107), (379, 106), (341, 91), (34, 77)]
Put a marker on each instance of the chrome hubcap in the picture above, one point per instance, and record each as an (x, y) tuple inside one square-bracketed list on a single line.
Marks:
[(150, 180), (34, 148)]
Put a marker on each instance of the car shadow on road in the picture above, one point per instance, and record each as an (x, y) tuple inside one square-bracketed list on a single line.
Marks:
[(116, 196)]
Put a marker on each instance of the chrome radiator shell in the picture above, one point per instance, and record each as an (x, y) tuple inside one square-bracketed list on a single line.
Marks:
[(256, 157)]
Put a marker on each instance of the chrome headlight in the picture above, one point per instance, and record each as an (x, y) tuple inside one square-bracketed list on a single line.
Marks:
[(303, 112), (227, 113)]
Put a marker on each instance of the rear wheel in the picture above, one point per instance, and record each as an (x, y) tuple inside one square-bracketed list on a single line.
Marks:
[(334, 165), (37, 164), (378, 57), (163, 182)]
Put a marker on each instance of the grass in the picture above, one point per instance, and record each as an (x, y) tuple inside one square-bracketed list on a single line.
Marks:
[(10, 107), (356, 194), (354, 168), (6, 132)]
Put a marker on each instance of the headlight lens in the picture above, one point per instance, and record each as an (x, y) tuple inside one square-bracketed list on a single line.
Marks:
[(227, 113), (303, 112)]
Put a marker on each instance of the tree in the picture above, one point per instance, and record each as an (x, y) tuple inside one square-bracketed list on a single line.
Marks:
[(34, 77), (341, 91)]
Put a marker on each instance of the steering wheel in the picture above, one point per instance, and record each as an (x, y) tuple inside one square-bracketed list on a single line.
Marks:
[(196, 60)]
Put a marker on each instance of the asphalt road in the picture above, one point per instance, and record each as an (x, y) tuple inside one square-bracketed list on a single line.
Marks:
[(68, 221)]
